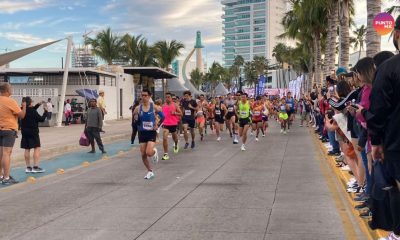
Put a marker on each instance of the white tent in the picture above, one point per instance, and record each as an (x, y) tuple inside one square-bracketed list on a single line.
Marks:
[(220, 89)]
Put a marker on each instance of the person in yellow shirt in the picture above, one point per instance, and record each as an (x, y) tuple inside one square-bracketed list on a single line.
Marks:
[(101, 104), (9, 114)]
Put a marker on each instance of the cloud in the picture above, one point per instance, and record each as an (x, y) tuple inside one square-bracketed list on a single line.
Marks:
[(10, 7), (62, 20), (24, 38)]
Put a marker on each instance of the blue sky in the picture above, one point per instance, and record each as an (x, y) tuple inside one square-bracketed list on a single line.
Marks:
[(25, 23)]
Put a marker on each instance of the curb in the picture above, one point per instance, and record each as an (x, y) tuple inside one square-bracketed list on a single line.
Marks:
[(344, 177), (52, 152)]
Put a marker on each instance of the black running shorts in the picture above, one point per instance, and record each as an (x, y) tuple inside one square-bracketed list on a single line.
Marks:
[(171, 129), (244, 121), (147, 136), (189, 121)]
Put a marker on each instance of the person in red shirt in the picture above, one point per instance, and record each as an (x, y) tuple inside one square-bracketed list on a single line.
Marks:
[(257, 109)]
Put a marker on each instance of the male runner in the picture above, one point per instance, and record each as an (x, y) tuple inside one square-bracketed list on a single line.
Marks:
[(265, 114), (291, 105), (244, 119), (283, 116), (230, 117), (147, 126), (172, 114), (257, 109), (189, 108)]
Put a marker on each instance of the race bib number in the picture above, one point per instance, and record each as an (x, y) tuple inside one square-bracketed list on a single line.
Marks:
[(148, 126), (283, 108), (188, 112), (290, 105), (230, 109), (218, 112), (243, 113), (257, 113)]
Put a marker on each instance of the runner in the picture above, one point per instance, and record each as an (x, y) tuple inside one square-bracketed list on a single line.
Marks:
[(230, 117), (244, 119), (189, 107), (291, 106), (219, 111), (267, 107), (211, 114), (283, 116), (257, 117), (147, 126), (172, 114), (201, 115)]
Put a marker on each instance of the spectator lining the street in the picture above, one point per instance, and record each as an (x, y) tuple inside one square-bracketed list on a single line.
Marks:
[(94, 125)]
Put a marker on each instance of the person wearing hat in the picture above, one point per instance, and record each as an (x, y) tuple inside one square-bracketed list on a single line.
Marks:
[(101, 104)]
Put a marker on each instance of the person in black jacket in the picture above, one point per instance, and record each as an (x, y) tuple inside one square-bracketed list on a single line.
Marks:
[(30, 135), (134, 121), (383, 120)]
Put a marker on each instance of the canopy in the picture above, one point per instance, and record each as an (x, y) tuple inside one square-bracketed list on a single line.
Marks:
[(87, 93), (220, 90), (14, 55), (174, 85)]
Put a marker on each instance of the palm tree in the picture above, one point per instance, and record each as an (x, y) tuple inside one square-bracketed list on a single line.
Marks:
[(260, 64), (145, 54), (165, 53), (227, 78), (106, 46), (250, 74), (344, 32), (130, 48), (214, 76), (333, 23), (235, 69), (372, 38), (196, 77), (359, 39)]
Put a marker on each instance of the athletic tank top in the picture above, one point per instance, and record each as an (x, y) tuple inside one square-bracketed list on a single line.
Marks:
[(244, 110), (290, 103), (147, 120), (218, 111), (257, 112), (230, 104), (170, 119)]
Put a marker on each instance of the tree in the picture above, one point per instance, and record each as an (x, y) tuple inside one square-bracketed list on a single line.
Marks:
[(333, 23), (196, 77), (166, 52), (250, 74), (145, 54), (106, 46), (235, 68), (344, 33), (260, 65), (214, 76), (372, 38), (130, 47), (359, 39)]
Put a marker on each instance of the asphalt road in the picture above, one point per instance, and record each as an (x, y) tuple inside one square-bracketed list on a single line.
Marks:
[(274, 190)]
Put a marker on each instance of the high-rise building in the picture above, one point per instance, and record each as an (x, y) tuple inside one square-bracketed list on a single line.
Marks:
[(251, 28), (82, 57)]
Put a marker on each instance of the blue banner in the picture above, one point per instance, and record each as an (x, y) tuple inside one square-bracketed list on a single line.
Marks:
[(260, 86)]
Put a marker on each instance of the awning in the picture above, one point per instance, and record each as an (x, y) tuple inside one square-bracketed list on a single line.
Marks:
[(153, 72), (14, 55)]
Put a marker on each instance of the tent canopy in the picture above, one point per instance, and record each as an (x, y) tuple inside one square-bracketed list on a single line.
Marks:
[(175, 86), (220, 89), (87, 93), (14, 55)]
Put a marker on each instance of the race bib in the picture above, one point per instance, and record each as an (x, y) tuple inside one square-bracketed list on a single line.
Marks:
[(148, 126), (283, 108), (218, 112), (290, 105), (230, 109), (257, 113), (243, 113), (188, 112)]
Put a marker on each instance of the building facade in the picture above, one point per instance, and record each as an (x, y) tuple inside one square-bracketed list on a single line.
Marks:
[(251, 28)]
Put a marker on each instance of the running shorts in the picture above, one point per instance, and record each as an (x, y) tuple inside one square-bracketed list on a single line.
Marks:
[(265, 118), (171, 129), (7, 138), (189, 121), (147, 136), (200, 120), (256, 121), (244, 121), (283, 116), (219, 120)]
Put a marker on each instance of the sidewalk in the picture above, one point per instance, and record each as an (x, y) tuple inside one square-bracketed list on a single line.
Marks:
[(56, 141)]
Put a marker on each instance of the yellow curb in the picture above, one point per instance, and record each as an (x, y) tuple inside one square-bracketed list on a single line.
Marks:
[(31, 180), (85, 163), (106, 157), (60, 171), (344, 177)]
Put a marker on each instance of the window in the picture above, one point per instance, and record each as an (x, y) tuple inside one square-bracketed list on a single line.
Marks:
[(229, 38), (259, 50), (259, 14), (243, 9), (258, 6), (259, 35), (229, 25), (259, 21), (257, 43), (259, 28), (229, 31), (243, 16), (242, 44), (243, 23), (229, 44), (229, 19), (229, 50), (243, 30), (241, 37)]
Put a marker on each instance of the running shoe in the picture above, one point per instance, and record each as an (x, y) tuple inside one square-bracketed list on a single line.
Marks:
[(28, 170), (345, 168), (176, 148), (354, 189), (186, 145), (201, 137), (256, 139), (192, 146), (1, 178), (391, 236), (37, 169), (281, 130), (366, 214), (9, 181), (243, 147), (218, 139), (263, 135), (235, 140), (155, 156), (285, 132), (251, 133), (149, 175), (165, 157)]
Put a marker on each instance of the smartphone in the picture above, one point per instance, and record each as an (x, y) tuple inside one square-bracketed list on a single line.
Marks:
[(354, 106)]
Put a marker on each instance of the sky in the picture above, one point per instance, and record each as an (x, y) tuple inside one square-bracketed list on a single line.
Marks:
[(25, 23)]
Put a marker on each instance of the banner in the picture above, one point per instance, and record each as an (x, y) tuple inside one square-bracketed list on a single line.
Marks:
[(260, 86)]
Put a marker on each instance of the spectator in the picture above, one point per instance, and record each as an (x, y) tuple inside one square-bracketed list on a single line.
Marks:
[(49, 106), (9, 112), (102, 104), (67, 112), (94, 125), (30, 135)]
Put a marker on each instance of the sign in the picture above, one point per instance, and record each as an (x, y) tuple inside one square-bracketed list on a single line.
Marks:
[(383, 23), (260, 86)]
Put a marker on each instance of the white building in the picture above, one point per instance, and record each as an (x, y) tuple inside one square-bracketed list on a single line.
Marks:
[(251, 28)]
